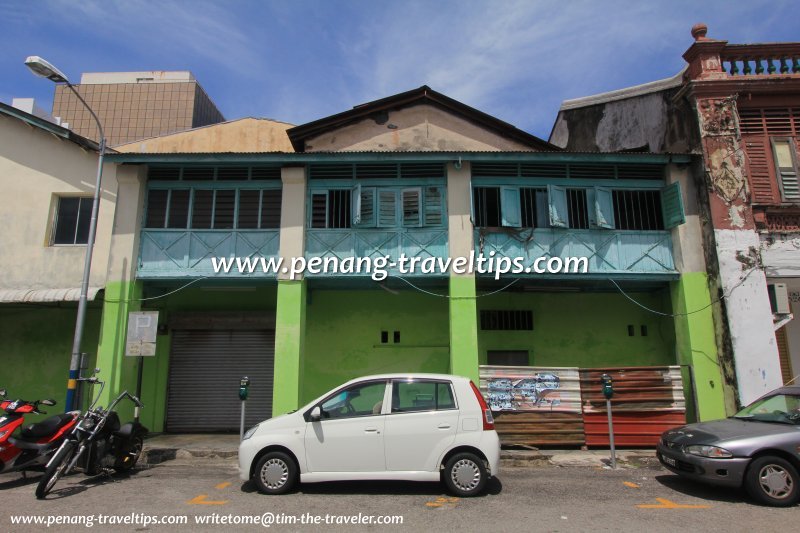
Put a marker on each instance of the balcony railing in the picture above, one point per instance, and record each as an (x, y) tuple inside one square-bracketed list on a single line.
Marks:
[(181, 253), (760, 60), (608, 252)]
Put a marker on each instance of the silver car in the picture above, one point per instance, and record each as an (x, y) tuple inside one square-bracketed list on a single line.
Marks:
[(758, 448)]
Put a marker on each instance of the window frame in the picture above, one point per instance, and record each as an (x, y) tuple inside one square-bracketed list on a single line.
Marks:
[(773, 140), (343, 388), (56, 215), (436, 382)]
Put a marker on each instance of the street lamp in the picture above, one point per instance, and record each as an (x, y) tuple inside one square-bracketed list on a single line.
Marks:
[(44, 69)]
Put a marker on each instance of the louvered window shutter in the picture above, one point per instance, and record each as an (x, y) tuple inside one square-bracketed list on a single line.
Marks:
[(509, 207), (433, 206), (412, 214), (557, 206), (672, 206), (604, 207), (387, 209)]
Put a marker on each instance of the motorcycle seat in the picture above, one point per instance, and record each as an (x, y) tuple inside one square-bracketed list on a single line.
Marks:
[(46, 427)]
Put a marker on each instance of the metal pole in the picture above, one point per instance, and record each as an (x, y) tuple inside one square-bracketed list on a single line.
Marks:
[(241, 424), (80, 322), (611, 434), (138, 388)]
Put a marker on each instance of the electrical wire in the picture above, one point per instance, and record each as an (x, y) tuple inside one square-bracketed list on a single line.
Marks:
[(660, 313), (456, 297), (160, 296)]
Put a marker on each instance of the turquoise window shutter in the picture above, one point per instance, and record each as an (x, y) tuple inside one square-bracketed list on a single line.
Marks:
[(672, 206), (433, 206), (355, 204), (387, 208), (509, 207), (367, 207), (557, 206), (412, 208), (604, 207)]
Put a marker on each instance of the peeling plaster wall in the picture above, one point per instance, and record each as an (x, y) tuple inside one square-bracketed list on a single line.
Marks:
[(748, 313), (651, 122), (781, 255)]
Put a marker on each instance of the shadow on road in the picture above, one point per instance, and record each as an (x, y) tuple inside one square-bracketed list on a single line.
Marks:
[(705, 492), (493, 488)]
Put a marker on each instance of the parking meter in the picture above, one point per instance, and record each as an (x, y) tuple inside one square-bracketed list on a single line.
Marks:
[(244, 388), (608, 392), (608, 387)]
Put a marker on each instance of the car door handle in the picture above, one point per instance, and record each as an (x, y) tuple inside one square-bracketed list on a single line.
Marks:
[(444, 426), (371, 430)]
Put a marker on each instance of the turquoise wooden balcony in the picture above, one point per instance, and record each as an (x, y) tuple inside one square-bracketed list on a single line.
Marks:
[(182, 253), (362, 242), (610, 253)]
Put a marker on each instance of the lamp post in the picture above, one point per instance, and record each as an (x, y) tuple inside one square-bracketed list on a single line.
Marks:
[(44, 69)]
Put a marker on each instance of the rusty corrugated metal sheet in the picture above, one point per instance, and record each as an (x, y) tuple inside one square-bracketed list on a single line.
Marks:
[(534, 405), (646, 402)]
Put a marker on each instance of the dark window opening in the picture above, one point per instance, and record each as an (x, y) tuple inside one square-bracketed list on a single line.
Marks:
[(506, 320), (249, 204), (487, 207), (576, 208), (156, 209), (72, 220), (384, 337), (638, 210), (631, 331), (331, 209), (202, 209), (224, 207), (396, 337), (271, 209), (643, 330), (178, 208)]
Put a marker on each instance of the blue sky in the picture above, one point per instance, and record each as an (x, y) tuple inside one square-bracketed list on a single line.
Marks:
[(299, 60)]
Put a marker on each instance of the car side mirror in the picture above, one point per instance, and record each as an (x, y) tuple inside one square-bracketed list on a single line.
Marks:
[(48, 402), (2, 393), (316, 414)]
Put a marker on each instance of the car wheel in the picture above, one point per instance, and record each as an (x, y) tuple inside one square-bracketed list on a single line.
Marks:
[(772, 481), (275, 473), (465, 475)]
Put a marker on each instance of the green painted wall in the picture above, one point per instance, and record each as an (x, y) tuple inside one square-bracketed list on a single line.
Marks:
[(37, 345), (343, 336), (464, 328), (290, 325), (696, 344), (584, 329)]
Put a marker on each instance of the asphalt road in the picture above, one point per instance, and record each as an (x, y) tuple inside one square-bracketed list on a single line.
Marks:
[(546, 498)]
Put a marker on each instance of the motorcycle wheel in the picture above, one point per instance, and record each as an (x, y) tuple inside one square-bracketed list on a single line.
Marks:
[(130, 453), (56, 469)]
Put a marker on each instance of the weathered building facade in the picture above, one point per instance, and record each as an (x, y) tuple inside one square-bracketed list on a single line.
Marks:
[(735, 106)]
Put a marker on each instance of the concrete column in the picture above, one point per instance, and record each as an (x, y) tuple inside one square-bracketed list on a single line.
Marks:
[(464, 358), (695, 334), (290, 313), (122, 292)]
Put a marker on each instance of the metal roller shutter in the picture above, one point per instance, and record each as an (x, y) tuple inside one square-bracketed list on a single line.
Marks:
[(204, 372)]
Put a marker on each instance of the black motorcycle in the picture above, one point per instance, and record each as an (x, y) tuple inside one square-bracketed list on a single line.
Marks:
[(97, 444)]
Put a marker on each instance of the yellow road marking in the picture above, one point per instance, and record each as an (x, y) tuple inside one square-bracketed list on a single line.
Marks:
[(223, 485), (631, 485), (202, 499), (666, 504), (440, 501)]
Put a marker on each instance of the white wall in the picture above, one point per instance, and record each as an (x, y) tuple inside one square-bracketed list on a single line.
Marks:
[(749, 314), (35, 166)]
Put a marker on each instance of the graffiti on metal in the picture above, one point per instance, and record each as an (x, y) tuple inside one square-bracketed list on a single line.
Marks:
[(531, 388)]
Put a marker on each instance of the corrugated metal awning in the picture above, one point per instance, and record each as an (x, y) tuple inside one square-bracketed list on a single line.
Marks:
[(46, 295)]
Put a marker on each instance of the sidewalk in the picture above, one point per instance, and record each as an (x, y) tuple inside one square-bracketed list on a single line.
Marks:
[(224, 447)]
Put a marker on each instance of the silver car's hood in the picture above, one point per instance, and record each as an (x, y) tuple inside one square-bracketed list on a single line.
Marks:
[(725, 430)]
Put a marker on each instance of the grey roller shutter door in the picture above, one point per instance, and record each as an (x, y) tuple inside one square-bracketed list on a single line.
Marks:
[(204, 372)]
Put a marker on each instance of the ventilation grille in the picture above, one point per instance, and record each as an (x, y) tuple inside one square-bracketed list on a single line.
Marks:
[(770, 121), (222, 173), (506, 320), (573, 171), (377, 171)]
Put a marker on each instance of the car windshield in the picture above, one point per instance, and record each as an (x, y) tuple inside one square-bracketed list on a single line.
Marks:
[(781, 408)]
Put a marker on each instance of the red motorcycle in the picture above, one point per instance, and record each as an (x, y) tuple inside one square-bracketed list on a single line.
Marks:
[(35, 444)]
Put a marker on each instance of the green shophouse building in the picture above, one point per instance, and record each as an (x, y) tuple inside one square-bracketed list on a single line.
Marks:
[(417, 174)]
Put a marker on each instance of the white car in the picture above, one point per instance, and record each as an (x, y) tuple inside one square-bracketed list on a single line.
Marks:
[(413, 427)]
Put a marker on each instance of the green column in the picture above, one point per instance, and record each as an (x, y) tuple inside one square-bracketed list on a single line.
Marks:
[(118, 371), (290, 326), (463, 328), (696, 344)]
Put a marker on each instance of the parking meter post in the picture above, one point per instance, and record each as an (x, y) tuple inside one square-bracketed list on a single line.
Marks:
[(244, 389), (608, 392)]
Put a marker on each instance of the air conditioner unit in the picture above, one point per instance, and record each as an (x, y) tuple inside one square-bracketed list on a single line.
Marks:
[(779, 298)]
